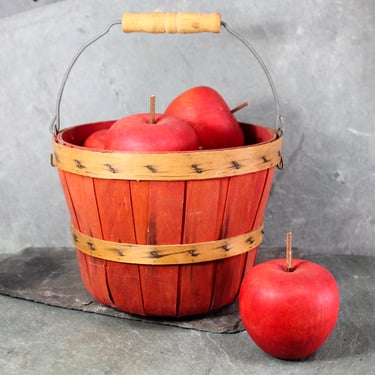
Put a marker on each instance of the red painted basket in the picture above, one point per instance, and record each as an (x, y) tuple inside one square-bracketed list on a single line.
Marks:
[(166, 234)]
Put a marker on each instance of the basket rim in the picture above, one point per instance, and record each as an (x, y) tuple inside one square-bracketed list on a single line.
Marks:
[(170, 166)]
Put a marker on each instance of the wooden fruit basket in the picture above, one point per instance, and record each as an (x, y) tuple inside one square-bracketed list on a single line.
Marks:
[(166, 234)]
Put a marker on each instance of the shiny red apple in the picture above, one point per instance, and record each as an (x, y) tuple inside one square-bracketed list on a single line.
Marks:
[(96, 139), (289, 314), (163, 133), (207, 112)]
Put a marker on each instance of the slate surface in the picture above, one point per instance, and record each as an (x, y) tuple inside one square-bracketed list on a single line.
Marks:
[(49, 340), (51, 276)]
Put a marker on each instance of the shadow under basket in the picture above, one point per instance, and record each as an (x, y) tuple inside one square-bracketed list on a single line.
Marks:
[(166, 234)]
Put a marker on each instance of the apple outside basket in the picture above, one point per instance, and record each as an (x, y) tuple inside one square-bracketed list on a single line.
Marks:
[(166, 234)]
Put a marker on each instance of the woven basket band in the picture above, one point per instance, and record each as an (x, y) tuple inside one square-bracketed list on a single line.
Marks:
[(167, 254), (177, 166)]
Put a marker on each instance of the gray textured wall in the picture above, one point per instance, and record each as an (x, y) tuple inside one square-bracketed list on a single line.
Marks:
[(8, 8), (322, 58)]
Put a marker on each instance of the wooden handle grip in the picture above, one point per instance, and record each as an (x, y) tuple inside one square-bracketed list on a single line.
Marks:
[(158, 22)]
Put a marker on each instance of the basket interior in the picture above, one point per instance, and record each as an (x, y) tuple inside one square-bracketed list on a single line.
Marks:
[(75, 136)]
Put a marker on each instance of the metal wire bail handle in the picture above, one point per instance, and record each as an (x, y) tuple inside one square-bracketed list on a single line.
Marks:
[(279, 125), (55, 122)]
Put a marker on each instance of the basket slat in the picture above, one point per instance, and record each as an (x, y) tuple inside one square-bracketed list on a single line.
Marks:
[(165, 208), (82, 196), (205, 201), (113, 199), (238, 218)]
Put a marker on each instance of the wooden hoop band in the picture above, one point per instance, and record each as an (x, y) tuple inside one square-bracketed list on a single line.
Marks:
[(176, 166), (167, 254)]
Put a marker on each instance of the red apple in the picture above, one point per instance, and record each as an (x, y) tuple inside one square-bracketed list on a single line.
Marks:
[(96, 139), (138, 133), (205, 110), (289, 314)]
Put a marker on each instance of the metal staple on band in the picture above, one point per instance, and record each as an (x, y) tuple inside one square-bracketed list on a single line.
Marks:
[(186, 253)]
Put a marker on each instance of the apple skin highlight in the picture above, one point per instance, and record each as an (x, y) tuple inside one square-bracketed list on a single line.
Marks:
[(289, 315)]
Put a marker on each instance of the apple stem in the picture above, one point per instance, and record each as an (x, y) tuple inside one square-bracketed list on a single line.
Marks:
[(289, 267), (152, 109), (242, 105)]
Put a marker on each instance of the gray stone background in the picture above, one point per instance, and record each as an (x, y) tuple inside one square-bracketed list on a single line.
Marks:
[(321, 55)]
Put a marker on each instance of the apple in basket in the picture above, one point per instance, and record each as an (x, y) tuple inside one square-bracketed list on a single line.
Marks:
[(96, 139), (151, 132), (207, 112), (289, 308)]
